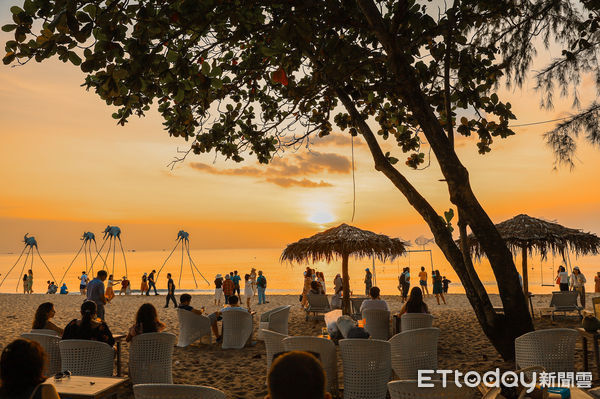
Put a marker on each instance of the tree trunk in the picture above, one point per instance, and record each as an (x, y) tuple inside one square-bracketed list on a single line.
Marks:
[(345, 286)]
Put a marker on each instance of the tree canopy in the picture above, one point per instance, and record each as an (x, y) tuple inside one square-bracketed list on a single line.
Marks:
[(252, 77)]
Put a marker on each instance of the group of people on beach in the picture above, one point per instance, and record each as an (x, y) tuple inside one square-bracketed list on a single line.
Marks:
[(228, 287), (440, 284)]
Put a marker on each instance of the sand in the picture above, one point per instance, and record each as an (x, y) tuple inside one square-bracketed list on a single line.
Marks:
[(241, 373)]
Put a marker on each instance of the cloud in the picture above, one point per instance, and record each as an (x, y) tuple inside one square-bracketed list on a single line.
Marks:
[(289, 182), (290, 171), (337, 140)]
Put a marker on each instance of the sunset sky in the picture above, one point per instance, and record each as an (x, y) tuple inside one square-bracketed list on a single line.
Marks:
[(66, 167)]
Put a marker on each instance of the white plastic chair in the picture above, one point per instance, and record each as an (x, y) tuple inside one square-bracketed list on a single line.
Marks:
[(43, 331), (553, 349), (317, 304), (192, 327), (50, 345), (237, 328), (86, 357), (377, 323), (273, 344), (367, 368), (172, 391), (275, 320), (408, 389), (414, 350), (327, 353), (151, 358), (412, 321)]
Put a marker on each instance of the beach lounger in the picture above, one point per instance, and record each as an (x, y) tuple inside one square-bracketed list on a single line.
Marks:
[(317, 304), (274, 320), (411, 321), (43, 331), (237, 328), (88, 358), (50, 344), (377, 323), (192, 327), (408, 389), (179, 391), (273, 344), (565, 301), (367, 368), (356, 304), (414, 350), (151, 358), (553, 349), (327, 353)]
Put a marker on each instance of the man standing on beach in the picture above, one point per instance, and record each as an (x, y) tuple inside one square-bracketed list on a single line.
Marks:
[(170, 291), (228, 288), (423, 280), (83, 285), (236, 282), (95, 293), (261, 284), (151, 283)]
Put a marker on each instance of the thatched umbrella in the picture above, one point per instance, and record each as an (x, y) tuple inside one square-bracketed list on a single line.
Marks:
[(343, 241), (525, 233)]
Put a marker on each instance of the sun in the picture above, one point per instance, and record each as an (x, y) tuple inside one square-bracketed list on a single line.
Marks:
[(319, 213)]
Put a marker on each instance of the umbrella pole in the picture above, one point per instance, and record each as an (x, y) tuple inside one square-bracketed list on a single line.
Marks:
[(525, 278), (345, 286)]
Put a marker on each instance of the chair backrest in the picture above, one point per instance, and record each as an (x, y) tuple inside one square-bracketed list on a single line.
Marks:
[(278, 321), (356, 304), (564, 300), (367, 368), (237, 328), (266, 316), (43, 331), (596, 304), (408, 389), (327, 353), (50, 345), (344, 324), (553, 349), (192, 327), (86, 357), (414, 350), (411, 321), (151, 358), (377, 323), (179, 391), (273, 344), (318, 302)]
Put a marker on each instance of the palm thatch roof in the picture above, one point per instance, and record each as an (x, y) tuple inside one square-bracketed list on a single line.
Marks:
[(524, 231), (344, 240)]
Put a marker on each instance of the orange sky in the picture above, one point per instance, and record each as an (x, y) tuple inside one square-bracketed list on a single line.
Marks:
[(66, 167)]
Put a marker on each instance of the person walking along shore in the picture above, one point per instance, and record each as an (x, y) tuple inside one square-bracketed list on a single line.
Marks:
[(170, 291)]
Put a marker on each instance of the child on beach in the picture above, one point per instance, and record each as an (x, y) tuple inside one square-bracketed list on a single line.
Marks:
[(423, 280), (83, 283), (445, 284), (144, 286)]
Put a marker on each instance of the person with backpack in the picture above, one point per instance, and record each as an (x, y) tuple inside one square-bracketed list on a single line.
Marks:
[(404, 283), (261, 285)]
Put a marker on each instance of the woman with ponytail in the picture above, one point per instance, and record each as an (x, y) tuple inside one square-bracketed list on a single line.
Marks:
[(146, 321), (89, 327)]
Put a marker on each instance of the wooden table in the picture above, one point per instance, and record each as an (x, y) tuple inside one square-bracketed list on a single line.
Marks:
[(80, 387), (118, 340), (584, 340)]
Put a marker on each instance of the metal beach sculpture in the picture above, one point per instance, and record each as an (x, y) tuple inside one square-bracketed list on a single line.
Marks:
[(31, 247), (183, 238), (88, 237), (112, 234)]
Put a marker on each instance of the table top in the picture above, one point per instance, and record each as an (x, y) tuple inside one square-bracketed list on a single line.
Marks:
[(78, 385), (119, 337)]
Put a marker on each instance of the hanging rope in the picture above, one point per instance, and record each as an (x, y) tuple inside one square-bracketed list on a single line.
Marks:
[(353, 181)]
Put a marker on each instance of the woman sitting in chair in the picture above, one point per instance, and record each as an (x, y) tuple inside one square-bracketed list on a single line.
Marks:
[(146, 321), (89, 327), (43, 314), (415, 303)]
